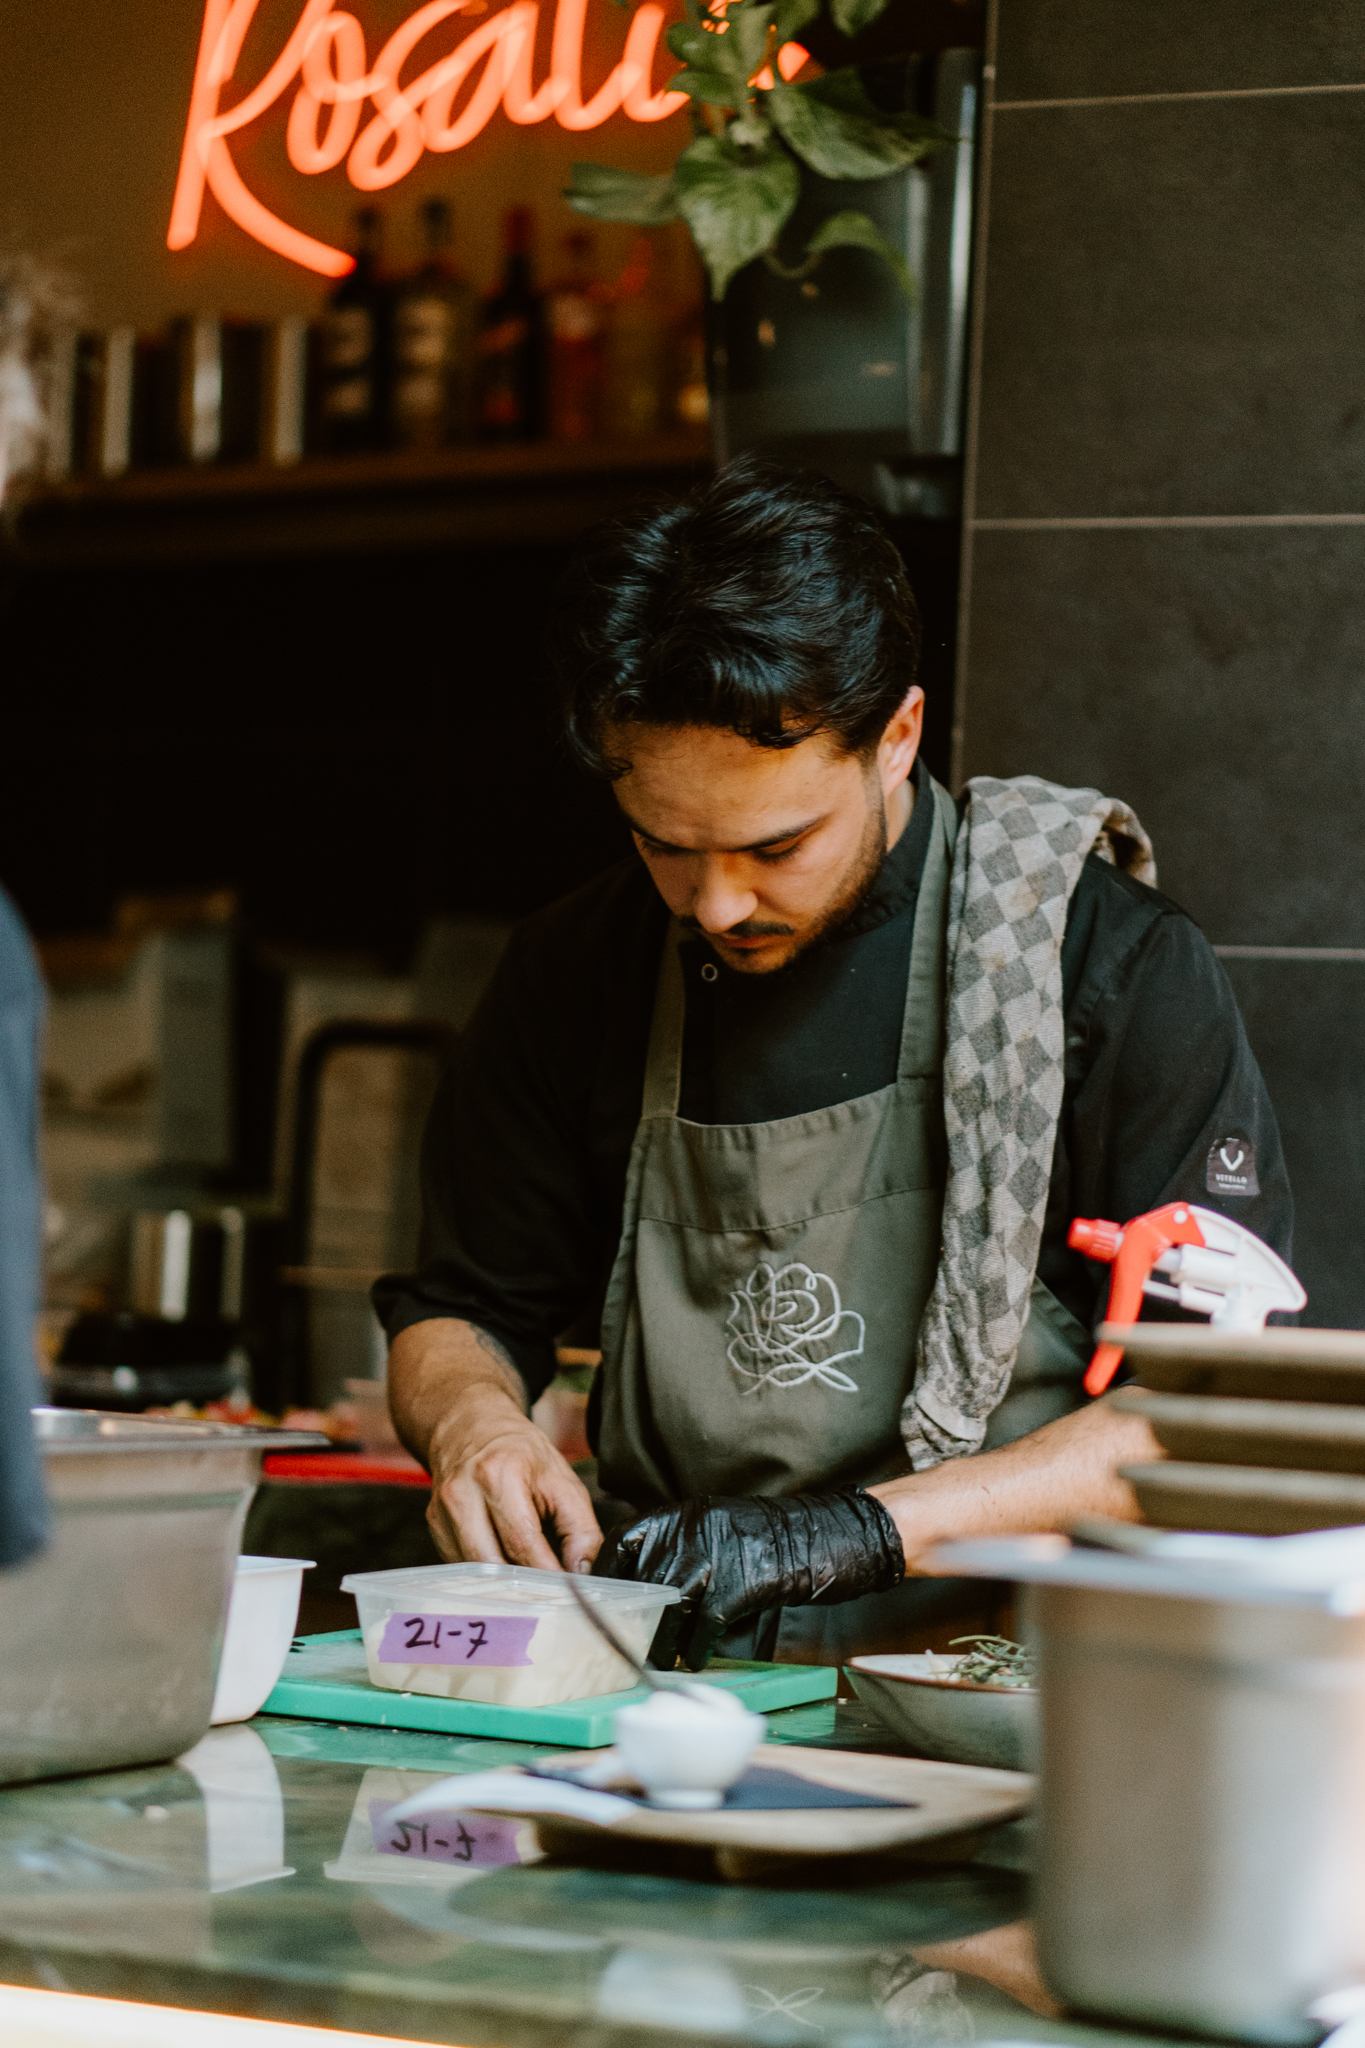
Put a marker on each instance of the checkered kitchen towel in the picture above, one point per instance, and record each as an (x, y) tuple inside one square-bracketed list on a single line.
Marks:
[(1019, 853)]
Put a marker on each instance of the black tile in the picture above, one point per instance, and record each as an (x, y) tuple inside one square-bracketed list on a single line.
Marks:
[(1050, 49), (1306, 1023), (1213, 679), (1175, 310)]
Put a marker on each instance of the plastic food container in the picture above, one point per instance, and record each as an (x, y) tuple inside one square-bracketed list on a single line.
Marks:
[(502, 1633), (262, 1614)]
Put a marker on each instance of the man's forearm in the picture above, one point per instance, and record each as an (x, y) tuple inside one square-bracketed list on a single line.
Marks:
[(444, 1367), (1045, 1481), (499, 1488)]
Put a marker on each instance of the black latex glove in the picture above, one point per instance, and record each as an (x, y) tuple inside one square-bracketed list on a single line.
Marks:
[(730, 1558)]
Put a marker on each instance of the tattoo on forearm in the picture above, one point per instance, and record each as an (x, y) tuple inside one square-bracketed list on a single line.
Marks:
[(489, 1344)]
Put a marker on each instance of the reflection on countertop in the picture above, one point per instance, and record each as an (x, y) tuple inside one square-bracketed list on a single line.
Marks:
[(261, 1875)]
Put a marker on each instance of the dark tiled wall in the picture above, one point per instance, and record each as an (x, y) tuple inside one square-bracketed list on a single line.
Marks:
[(1165, 552), (1215, 679), (1073, 49), (1175, 310), (1173, 339)]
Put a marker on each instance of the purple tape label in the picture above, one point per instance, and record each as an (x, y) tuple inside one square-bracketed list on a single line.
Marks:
[(455, 1639), (469, 1838)]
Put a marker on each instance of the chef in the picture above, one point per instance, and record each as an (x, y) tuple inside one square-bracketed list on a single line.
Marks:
[(796, 1105)]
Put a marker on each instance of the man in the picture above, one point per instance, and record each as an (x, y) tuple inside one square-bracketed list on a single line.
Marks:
[(799, 1104)]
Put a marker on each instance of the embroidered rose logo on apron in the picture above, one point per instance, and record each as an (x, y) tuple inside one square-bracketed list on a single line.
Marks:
[(788, 1326)]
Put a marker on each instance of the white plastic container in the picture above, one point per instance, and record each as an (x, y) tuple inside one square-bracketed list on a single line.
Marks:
[(262, 1616), (502, 1633)]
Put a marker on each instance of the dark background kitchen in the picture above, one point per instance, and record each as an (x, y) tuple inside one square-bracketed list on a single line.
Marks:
[(278, 743)]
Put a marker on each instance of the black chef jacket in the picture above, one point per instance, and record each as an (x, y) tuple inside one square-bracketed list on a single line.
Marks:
[(524, 1159)]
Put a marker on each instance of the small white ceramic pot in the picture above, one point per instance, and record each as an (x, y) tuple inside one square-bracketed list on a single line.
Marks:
[(691, 1768)]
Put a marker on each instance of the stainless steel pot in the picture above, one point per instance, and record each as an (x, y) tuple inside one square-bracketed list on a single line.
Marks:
[(1201, 1859), (1202, 1818), (109, 1642)]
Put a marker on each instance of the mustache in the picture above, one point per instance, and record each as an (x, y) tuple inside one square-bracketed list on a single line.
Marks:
[(752, 928)]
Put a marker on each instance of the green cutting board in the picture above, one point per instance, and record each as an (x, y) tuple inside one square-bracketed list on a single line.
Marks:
[(325, 1679)]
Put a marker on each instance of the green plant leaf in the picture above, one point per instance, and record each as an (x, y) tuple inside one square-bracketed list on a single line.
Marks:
[(858, 231), (845, 90), (842, 144), (696, 46), (737, 53), (607, 194), (736, 202), (747, 35), (711, 87), (791, 17), (752, 130), (851, 17)]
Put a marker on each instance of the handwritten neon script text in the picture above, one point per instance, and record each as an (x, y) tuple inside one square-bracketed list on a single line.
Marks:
[(326, 53)]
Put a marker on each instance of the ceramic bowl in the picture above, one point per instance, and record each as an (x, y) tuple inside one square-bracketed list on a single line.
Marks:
[(917, 1698), (692, 1768)]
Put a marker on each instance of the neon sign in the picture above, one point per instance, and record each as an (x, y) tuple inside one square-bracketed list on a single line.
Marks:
[(326, 53)]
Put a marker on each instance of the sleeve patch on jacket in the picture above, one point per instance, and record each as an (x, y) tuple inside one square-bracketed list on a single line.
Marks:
[(1231, 1168)]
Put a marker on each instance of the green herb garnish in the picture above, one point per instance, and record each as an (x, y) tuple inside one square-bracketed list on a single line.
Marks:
[(994, 1661)]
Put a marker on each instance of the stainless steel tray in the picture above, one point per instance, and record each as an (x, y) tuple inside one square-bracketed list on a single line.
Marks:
[(64, 1430), (1267, 1365), (1245, 1500), (1298, 1436), (109, 1642)]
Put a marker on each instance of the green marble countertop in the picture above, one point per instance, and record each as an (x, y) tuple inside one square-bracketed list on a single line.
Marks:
[(246, 1878)]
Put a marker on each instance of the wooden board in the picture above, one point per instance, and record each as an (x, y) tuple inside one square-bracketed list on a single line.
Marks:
[(1268, 1365), (1297, 1436), (952, 1800), (1245, 1500)]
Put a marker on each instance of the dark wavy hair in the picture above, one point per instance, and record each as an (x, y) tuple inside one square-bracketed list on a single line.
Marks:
[(769, 603)]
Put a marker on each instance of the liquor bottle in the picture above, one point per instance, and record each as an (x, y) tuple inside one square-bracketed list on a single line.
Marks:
[(285, 399), (635, 382), (434, 316), (575, 310), (511, 404), (353, 350), (102, 426), (214, 403)]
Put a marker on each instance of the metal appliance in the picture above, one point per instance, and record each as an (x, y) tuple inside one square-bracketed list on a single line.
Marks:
[(1201, 1858), (196, 1284), (109, 1642)]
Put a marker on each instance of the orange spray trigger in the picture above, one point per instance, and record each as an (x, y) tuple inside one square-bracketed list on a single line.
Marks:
[(1133, 1251), (1097, 1239)]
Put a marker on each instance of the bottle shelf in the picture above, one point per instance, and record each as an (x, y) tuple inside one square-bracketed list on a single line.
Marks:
[(546, 492)]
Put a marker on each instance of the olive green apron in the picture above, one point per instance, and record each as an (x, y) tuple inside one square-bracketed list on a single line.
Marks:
[(759, 1329)]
